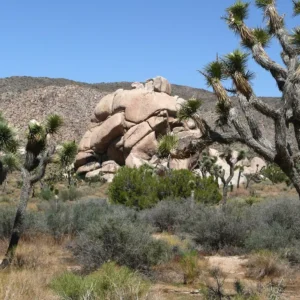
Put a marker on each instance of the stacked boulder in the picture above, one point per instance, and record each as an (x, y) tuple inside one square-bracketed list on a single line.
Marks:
[(127, 125), (126, 128)]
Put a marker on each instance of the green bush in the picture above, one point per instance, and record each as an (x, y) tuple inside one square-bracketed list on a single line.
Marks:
[(134, 187), (116, 237), (109, 282), (46, 194), (274, 174), (69, 286), (142, 188)]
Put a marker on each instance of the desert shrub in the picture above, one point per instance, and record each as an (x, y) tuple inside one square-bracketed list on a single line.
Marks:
[(190, 266), (69, 286), (114, 283), (46, 193), (116, 237), (175, 184), (58, 219), (71, 194), (134, 187), (7, 215), (277, 224), (266, 264), (207, 191), (215, 228), (274, 174), (167, 215), (109, 282), (142, 188)]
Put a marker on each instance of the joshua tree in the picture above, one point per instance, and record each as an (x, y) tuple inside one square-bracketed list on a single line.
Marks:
[(231, 161), (166, 144), (39, 151), (236, 122), (67, 156)]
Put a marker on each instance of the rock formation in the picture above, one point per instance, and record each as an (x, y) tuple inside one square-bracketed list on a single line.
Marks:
[(126, 127)]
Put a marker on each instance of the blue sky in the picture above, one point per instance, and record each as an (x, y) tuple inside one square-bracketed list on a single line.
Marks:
[(122, 40)]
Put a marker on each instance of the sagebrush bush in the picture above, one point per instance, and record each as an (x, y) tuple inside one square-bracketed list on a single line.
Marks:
[(109, 282), (167, 215), (215, 228), (118, 238), (142, 188), (71, 194)]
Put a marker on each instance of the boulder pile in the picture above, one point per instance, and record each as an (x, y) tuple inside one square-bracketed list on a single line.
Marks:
[(126, 127)]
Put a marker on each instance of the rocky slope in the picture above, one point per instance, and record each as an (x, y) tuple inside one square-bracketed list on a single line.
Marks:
[(26, 98)]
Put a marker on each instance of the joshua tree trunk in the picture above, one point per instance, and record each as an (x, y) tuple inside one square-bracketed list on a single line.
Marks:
[(18, 227), (226, 183)]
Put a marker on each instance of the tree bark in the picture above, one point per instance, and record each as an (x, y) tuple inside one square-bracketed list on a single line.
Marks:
[(18, 227)]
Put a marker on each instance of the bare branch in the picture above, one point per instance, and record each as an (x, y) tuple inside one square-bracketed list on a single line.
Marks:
[(278, 72)]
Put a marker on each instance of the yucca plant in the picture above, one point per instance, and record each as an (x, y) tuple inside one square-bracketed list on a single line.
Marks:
[(236, 68), (166, 144), (296, 7), (190, 110), (9, 162), (67, 156), (39, 152)]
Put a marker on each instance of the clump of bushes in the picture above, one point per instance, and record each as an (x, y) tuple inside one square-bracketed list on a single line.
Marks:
[(236, 228), (142, 188), (116, 237), (109, 282)]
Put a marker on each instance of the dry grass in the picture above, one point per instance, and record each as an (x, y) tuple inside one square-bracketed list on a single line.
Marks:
[(36, 263), (266, 264)]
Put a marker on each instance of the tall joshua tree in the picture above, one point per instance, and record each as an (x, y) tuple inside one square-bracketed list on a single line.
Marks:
[(38, 154), (236, 122)]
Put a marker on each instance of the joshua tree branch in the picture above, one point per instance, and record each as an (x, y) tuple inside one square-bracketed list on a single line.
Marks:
[(278, 72)]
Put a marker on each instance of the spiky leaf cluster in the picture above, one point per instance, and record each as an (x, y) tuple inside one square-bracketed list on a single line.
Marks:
[(262, 4), (295, 37), (53, 124), (166, 144), (236, 61), (11, 161), (238, 12), (261, 36), (214, 71), (296, 7), (188, 109), (67, 153), (241, 155), (222, 109), (8, 140)]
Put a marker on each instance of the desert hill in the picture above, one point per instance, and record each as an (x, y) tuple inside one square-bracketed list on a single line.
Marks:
[(25, 98)]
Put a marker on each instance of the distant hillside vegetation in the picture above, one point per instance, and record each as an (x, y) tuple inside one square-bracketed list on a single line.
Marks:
[(25, 98)]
